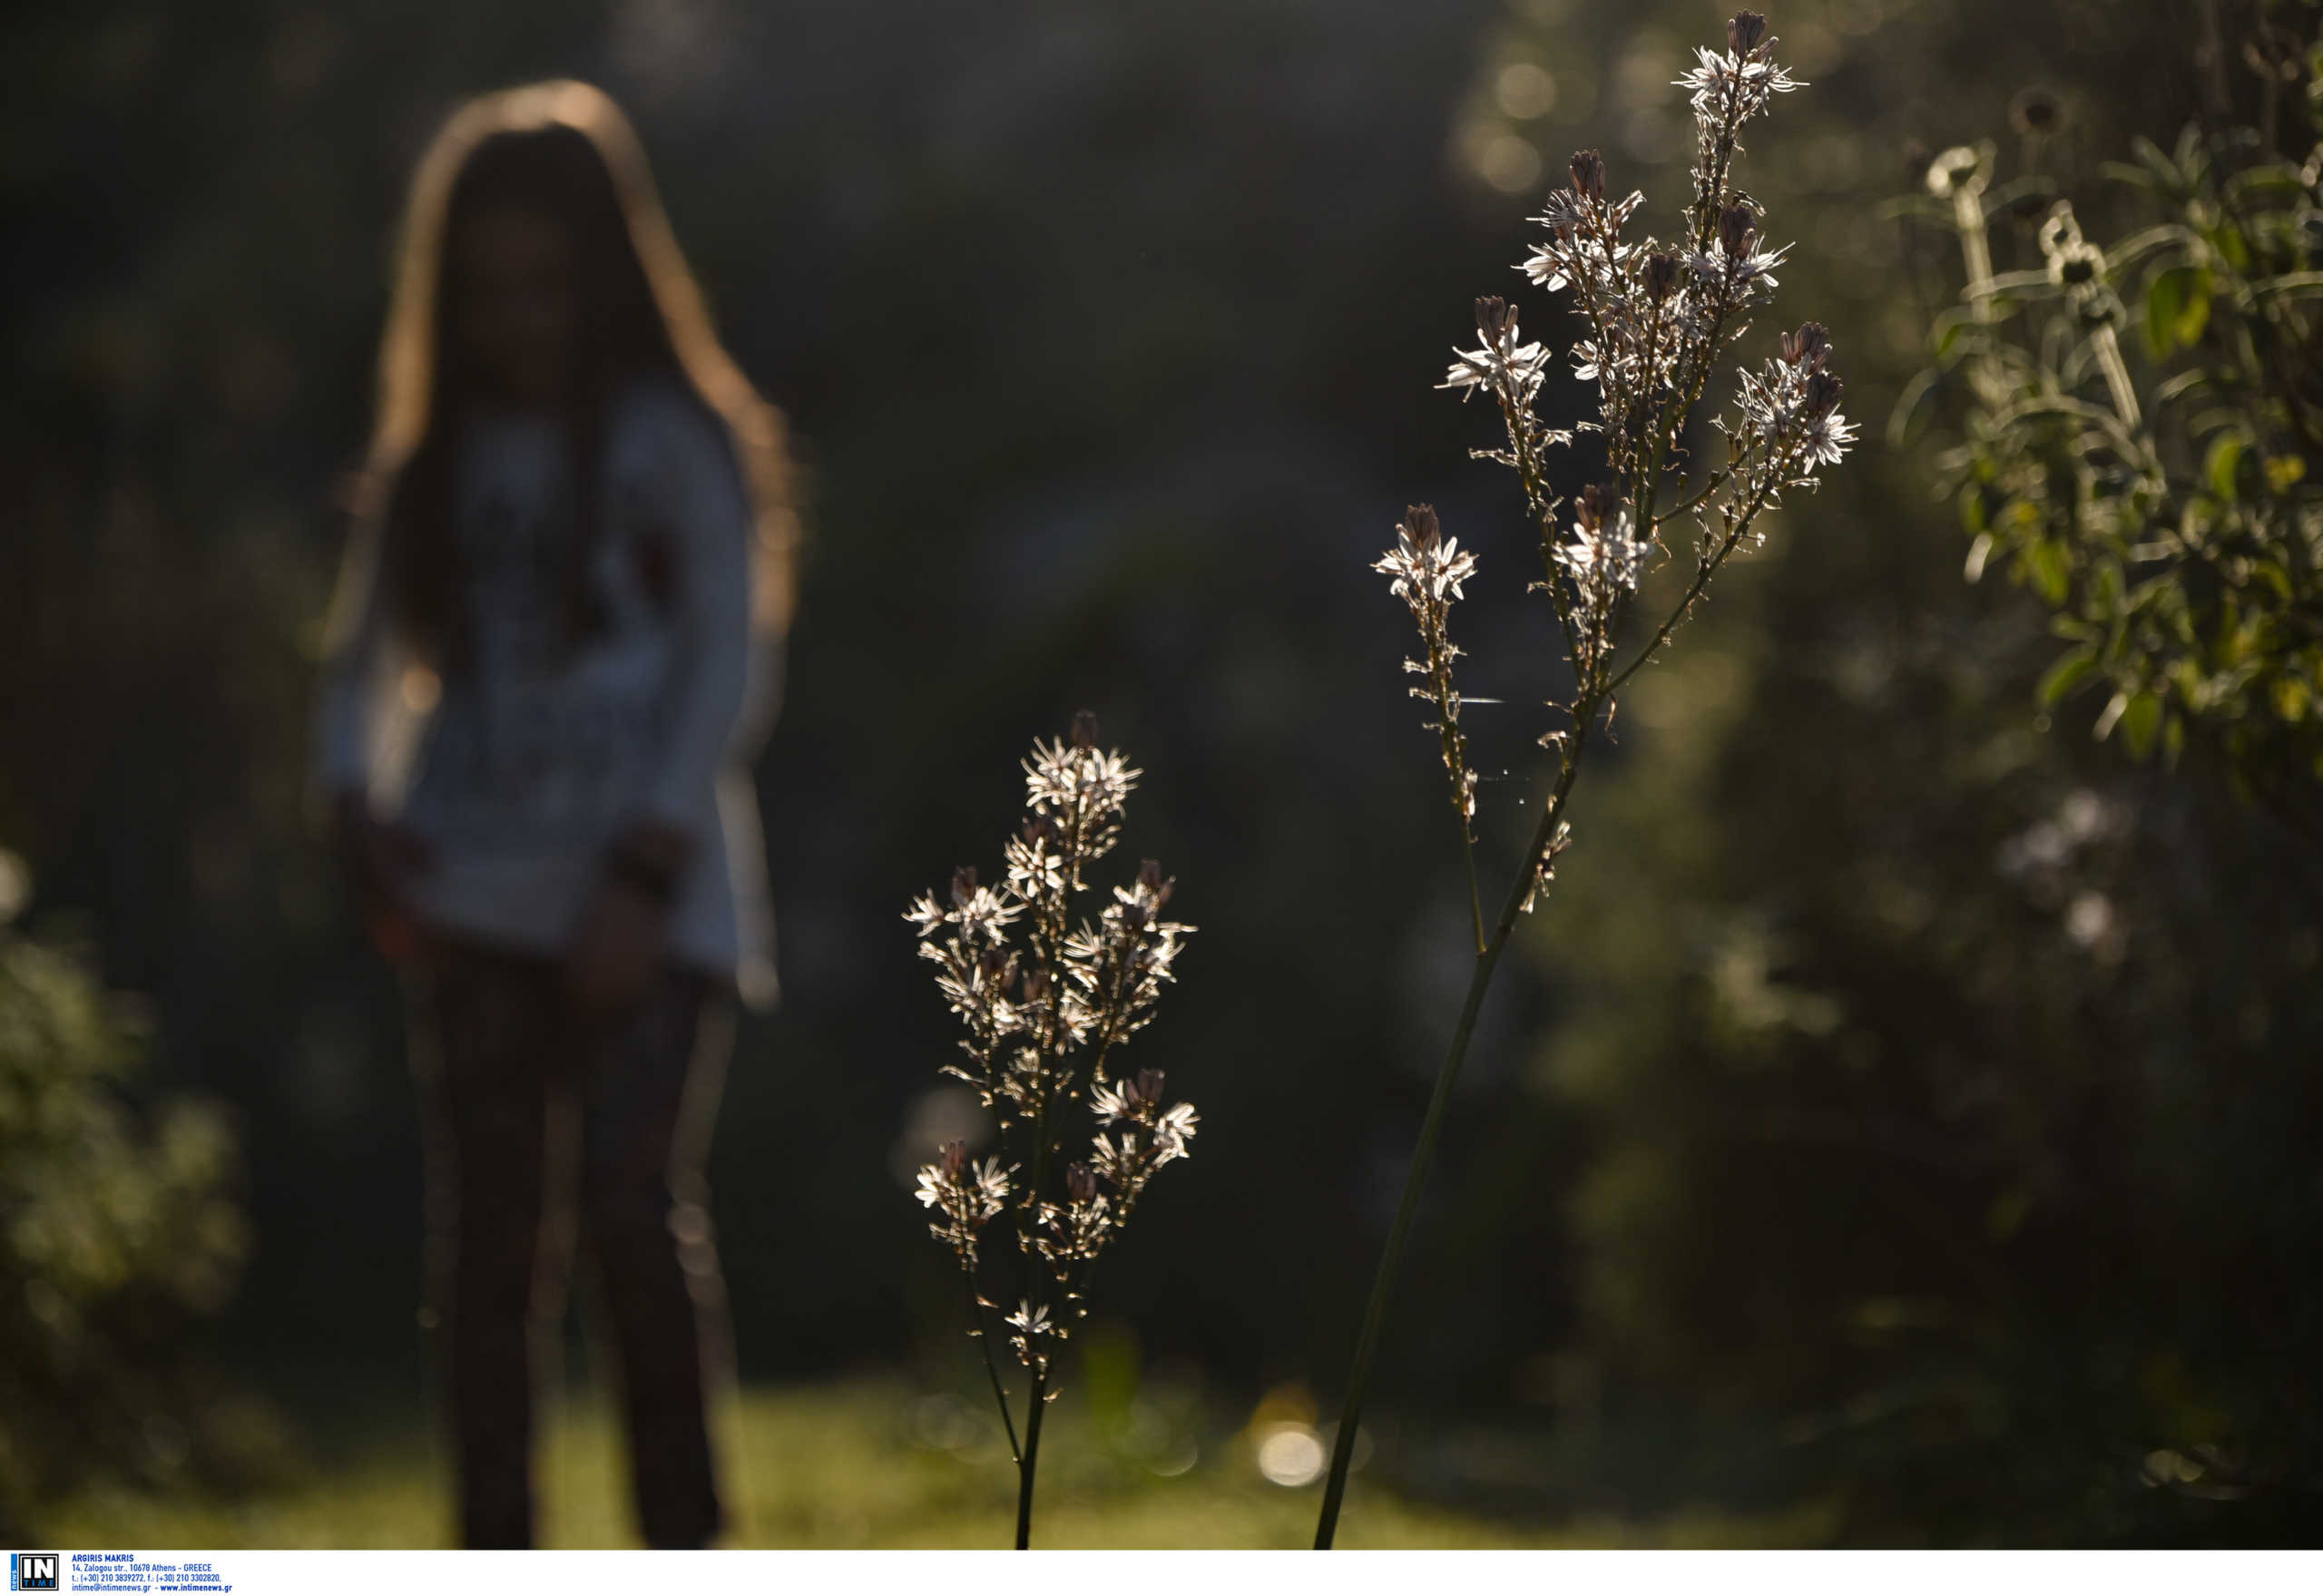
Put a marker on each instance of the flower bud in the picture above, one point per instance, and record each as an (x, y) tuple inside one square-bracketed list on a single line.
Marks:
[(1148, 874), (954, 1158), (1597, 504), (1085, 730), (1080, 1181), (1134, 915), (1810, 345), (1744, 31), (964, 885), (1823, 391), (1146, 1088), (1419, 522), (1660, 275), (1495, 319), (1038, 830), (1737, 230), (1588, 168), (1036, 986)]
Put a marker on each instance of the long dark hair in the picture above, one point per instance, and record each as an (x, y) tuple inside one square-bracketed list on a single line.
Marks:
[(566, 149)]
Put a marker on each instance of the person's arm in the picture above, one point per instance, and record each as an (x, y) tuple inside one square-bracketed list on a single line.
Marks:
[(354, 661), (373, 857)]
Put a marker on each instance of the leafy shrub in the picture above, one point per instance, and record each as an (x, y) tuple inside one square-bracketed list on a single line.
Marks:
[(117, 1228), (2137, 430)]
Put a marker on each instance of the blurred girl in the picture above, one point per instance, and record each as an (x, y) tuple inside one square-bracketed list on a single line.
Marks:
[(550, 654)]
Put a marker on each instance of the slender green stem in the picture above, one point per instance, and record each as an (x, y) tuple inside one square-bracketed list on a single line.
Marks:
[(999, 1391), (1382, 1283), (1475, 903), (1693, 592), (1710, 487), (1028, 1466), (1708, 569)]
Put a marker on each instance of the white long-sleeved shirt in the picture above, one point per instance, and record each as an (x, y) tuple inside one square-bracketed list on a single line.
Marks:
[(519, 769)]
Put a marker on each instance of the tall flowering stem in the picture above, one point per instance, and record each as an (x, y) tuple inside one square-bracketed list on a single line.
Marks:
[(1046, 994), (1659, 321), (1427, 569)]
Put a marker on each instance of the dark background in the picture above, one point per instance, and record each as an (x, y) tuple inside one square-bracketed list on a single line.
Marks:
[(1900, 1101)]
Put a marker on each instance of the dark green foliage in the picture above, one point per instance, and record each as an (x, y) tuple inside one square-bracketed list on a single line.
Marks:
[(2140, 438), (118, 1229), (1929, 1119)]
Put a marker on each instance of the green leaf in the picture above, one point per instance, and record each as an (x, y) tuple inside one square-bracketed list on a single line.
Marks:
[(1912, 407), (2177, 308), (2164, 171), (2225, 459), (2140, 718), (2164, 299), (2066, 674), (2043, 563), (2228, 242)]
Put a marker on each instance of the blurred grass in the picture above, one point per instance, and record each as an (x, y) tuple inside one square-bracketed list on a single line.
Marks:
[(861, 1464)]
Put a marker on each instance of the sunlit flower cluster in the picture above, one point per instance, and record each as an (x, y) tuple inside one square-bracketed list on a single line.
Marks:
[(965, 1196), (1045, 994), (1733, 86), (1502, 366), (1601, 558), (1657, 321), (1791, 421), (1426, 570), (1145, 1135), (1078, 789)]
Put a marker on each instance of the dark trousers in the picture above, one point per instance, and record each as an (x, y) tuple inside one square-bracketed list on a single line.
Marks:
[(529, 1110)]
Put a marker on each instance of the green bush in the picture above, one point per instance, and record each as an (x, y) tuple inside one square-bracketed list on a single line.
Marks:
[(2138, 429), (117, 1228)]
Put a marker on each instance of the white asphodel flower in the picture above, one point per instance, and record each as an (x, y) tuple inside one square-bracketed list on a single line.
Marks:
[(1824, 440), (1606, 557), (1061, 777), (1751, 81), (1173, 1130), (1421, 567)]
